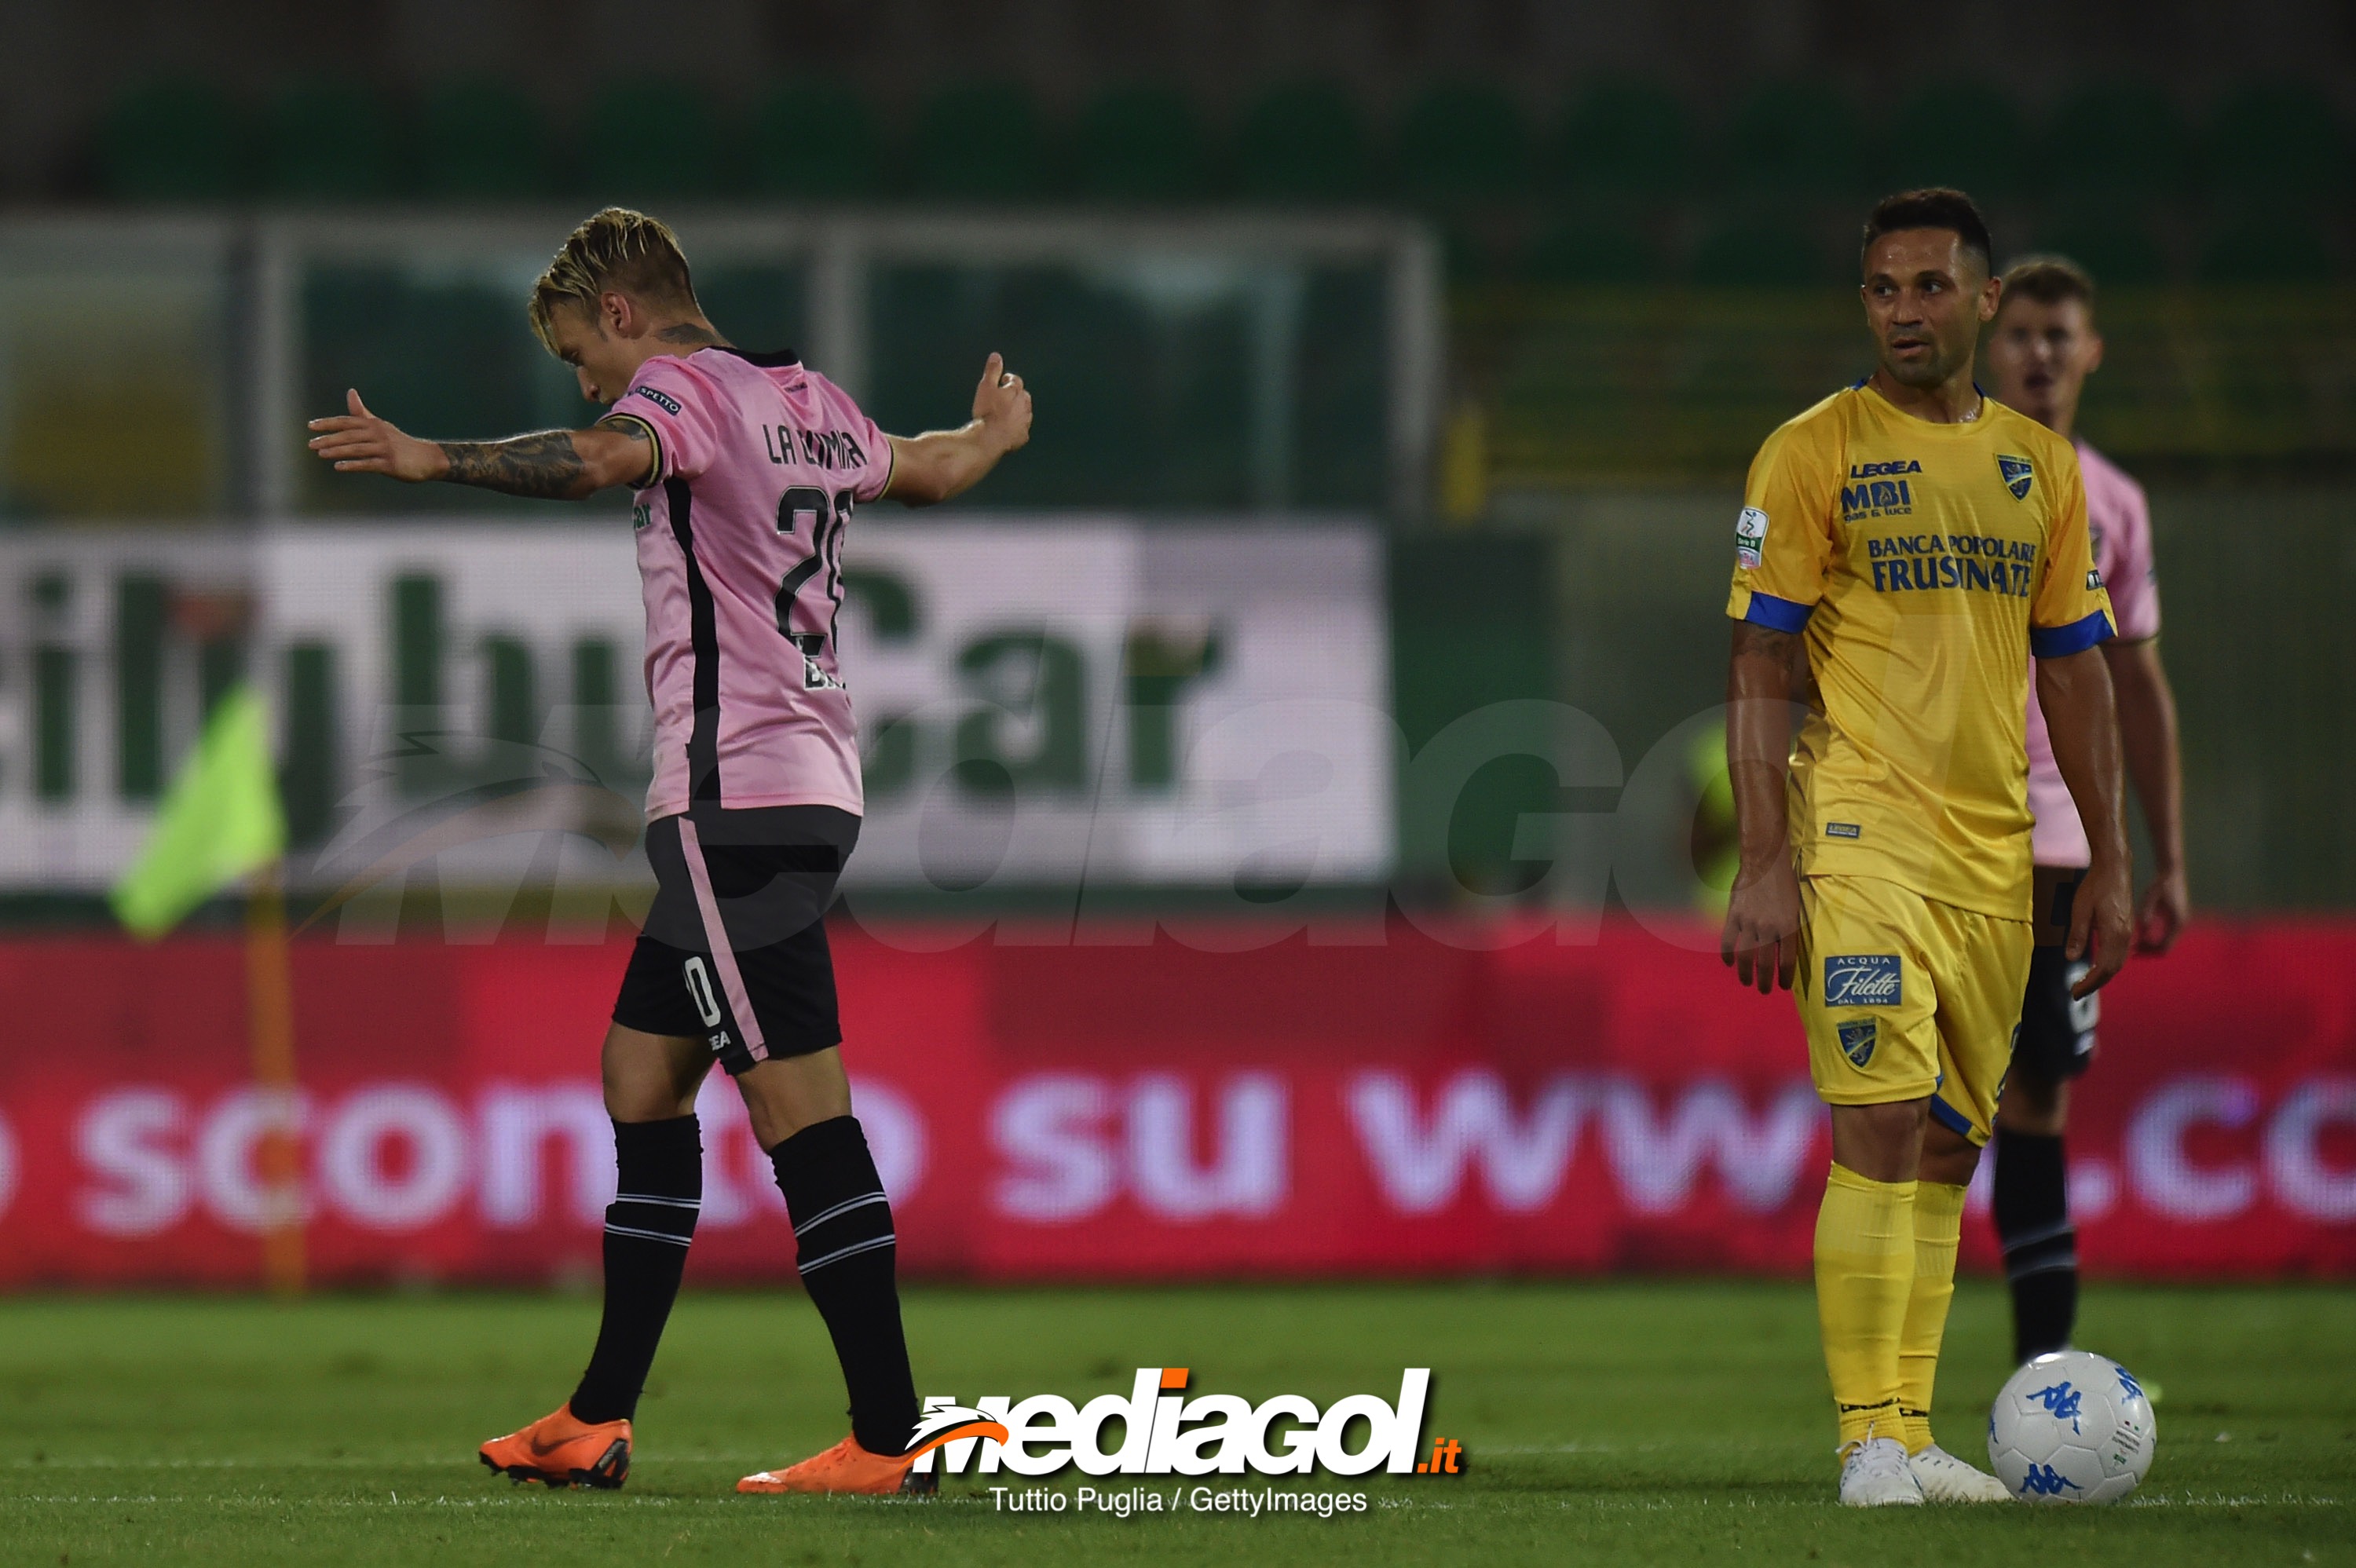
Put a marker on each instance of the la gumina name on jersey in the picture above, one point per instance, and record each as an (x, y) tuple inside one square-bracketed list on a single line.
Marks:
[(1165, 1433)]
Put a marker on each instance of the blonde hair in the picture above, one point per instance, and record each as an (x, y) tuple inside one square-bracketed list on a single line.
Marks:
[(614, 249)]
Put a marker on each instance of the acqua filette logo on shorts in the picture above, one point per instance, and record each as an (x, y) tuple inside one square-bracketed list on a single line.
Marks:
[(1165, 1433)]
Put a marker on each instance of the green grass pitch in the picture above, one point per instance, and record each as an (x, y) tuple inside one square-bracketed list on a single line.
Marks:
[(1677, 1421)]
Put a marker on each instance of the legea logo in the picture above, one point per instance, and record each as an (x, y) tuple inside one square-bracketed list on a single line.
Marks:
[(1165, 1433)]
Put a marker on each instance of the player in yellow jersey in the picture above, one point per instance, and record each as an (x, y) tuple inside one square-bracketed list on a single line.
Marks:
[(1903, 548)]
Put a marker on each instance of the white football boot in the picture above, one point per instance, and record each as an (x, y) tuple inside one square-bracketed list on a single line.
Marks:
[(1875, 1473), (1947, 1479)]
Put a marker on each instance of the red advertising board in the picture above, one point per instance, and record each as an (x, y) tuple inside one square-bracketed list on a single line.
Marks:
[(1164, 1109)]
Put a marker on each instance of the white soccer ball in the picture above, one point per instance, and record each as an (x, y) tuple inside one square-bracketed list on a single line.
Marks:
[(2071, 1427)]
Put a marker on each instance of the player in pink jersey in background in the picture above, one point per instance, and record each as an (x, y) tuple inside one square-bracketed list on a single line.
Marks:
[(747, 468), (2040, 353)]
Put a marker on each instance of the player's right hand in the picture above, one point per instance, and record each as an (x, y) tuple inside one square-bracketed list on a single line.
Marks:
[(360, 442), (2161, 912), (1762, 941), (1001, 406), (2101, 923)]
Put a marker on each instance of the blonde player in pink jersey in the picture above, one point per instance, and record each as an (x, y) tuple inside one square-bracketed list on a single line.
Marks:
[(2040, 352), (747, 468)]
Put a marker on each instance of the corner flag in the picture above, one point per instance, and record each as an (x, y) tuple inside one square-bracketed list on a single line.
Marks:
[(219, 820)]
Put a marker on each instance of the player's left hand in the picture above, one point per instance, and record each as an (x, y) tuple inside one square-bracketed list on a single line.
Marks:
[(2161, 912), (2100, 925), (360, 443)]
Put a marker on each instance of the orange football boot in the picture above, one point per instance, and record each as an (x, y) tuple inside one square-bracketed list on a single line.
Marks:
[(848, 1468), (563, 1452), (845, 1468)]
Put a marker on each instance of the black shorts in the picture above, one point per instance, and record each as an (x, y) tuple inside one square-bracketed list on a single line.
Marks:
[(735, 951), (2057, 1030)]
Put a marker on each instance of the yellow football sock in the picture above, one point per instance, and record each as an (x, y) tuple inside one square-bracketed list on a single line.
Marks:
[(1865, 1266), (1938, 1229)]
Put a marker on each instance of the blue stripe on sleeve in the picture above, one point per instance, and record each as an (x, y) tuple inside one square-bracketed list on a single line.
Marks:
[(2060, 642), (1777, 614)]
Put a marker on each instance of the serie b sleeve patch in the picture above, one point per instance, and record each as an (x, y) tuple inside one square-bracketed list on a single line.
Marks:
[(1749, 537)]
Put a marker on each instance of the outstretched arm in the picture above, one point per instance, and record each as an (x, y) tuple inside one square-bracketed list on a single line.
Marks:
[(552, 464), (939, 463), (2076, 693), (1763, 913)]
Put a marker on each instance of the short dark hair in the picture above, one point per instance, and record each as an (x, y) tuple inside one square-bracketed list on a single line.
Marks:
[(1935, 206), (2050, 280)]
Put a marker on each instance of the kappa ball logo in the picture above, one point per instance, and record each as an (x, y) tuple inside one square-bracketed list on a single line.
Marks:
[(2062, 1402), (2045, 1481), (1857, 1042), (1864, 980), (2017, 477), (1164, 1433)]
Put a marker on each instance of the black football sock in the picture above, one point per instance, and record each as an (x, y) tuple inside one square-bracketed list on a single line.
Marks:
[(844, 1245), (2040, 1246), (658, 1190)]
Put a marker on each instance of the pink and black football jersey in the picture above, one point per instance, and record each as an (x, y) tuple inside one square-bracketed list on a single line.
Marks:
[(760, 462)]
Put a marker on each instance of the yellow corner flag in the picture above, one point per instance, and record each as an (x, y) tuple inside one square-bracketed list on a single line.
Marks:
[(219, 820)]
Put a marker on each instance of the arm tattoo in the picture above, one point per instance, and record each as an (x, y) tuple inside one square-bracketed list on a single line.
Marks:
[(637, 429), (543, 465)]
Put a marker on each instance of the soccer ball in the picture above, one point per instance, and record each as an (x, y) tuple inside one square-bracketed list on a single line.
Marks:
[(2071, 1427)]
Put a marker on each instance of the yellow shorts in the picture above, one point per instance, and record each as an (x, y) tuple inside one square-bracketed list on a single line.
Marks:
[(1904, 996)]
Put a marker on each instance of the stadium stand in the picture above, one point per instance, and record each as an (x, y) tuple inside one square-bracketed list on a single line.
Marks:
[(478, 140), (2265, 245), (1607, 191), (1140, 144), (1757, 248), (1580, 250), (978, 140), (1795, 139), (1303, 141), (2111, 239), (1632, 138), (812, 136), (1963, 133), (1462, 141), (173, 141), (327, 141), (651, 141), (2123, 139), (2276, 137)]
